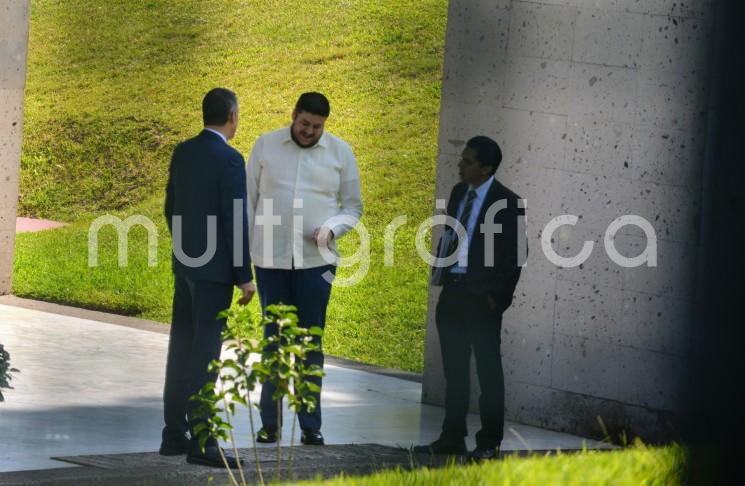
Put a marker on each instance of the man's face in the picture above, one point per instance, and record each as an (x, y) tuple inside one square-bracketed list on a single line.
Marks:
[(307, 128), (470, 170)]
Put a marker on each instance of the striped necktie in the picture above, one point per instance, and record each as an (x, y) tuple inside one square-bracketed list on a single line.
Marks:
[(463, 219), (449, 241)]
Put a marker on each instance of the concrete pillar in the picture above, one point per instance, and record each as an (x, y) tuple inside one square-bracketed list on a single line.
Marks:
[(14, 17), (600, 107)]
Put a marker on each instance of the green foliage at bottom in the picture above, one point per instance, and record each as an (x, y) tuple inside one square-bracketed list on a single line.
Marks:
[(636, 466)]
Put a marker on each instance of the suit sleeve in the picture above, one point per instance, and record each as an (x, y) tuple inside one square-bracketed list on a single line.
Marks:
[(169, 204), (451, 210), (507, 264), (234, 217)]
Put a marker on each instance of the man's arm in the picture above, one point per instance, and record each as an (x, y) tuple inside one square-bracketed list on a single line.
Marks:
[(506, 271), (350, 197), (438, 272), (232, 185), (168, 211), (253, 178)]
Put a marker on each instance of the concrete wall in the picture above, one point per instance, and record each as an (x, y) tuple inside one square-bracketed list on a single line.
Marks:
[(13, 43), (600, 107)]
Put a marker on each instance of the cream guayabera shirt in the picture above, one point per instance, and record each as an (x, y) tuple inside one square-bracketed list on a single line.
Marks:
[(292, 191)]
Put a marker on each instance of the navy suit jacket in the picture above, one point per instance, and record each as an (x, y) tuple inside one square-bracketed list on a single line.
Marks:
[(500, 279), (205, 177)]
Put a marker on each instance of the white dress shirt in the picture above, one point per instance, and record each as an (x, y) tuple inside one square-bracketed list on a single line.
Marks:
[(472, 219), (293, 191)]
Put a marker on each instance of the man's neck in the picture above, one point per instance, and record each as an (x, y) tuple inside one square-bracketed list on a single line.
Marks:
[(220, 130), (478, 184), (297, 142)]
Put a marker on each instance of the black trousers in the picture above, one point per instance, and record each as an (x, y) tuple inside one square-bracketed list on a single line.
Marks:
[(465, 323), (195, 340)]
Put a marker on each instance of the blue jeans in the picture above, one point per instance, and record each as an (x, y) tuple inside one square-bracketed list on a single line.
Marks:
[(307, 290)]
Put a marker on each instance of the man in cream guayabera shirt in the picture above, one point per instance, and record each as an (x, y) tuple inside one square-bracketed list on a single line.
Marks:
[(303, 195)]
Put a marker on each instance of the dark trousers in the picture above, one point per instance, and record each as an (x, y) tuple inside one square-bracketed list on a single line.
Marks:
[(195, 341), (464, 323), (307, 290)]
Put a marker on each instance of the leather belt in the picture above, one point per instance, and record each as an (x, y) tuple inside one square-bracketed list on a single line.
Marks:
[(455, 277)]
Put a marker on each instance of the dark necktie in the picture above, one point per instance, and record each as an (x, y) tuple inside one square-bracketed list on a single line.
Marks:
[(463, 219), (450, 243)]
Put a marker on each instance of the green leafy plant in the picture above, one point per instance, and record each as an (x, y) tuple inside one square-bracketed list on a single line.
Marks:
[(280, 363), (5, 371)]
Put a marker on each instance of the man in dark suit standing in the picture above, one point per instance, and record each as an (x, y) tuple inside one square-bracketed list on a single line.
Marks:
[(206, 213), (477, 289)]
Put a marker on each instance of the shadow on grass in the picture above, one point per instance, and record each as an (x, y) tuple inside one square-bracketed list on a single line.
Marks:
[(96, 137)]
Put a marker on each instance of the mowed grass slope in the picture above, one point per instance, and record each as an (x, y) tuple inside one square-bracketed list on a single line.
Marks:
[(114, 85)]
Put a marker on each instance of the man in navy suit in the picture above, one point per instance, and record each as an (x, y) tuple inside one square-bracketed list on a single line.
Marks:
[(477, 289), (206, 213)]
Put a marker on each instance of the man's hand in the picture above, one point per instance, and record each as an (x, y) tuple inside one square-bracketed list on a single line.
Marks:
[(491, 302), (248, 289), (323, 236)]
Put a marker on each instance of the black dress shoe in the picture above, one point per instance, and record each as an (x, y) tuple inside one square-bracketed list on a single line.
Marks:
[(312, 437), (174, 446), (266, 436), (442, 446), (210, 457), (483, 454)]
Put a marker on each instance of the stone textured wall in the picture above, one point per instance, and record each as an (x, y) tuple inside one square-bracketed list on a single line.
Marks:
[(600, 107), (13, 42)]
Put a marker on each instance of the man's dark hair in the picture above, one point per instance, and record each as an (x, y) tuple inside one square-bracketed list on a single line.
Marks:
[(314, 103), (217, 105), (487, 152)]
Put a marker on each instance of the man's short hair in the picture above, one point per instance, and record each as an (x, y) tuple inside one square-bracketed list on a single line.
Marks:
[(314, 103), (217, 106), (487, 151)]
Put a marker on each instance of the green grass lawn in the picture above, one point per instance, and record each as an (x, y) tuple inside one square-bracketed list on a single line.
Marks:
[(114, 85), (632, 467)]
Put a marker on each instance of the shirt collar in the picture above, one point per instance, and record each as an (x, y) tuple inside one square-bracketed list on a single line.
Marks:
[(217, 133), (483, 188), (287, 137)]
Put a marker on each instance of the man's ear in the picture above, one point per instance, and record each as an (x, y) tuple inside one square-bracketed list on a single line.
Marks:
[(294, 114)]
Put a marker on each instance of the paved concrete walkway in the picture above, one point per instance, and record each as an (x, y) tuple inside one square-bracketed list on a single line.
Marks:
[(92, 387), (29, 225)]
